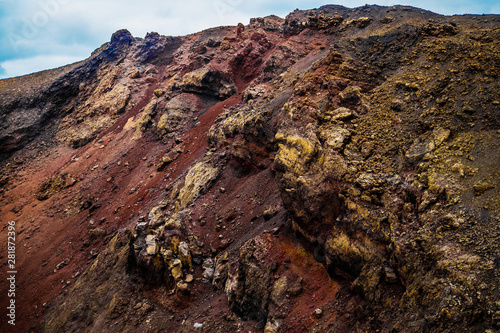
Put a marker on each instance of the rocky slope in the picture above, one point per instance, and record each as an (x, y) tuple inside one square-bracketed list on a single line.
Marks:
[(334, 171)]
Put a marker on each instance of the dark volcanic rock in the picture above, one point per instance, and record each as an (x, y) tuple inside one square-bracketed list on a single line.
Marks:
[(122, 37)]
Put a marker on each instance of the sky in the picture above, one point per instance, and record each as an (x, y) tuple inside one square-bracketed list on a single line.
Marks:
[(43, 34)]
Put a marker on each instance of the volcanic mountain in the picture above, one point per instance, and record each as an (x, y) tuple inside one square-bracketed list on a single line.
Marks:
[(333, 171)]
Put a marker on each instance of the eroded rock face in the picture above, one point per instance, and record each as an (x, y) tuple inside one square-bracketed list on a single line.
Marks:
[(179, 113), (207, 80), (162, 249), (334, 171), (199, 178), (257, 287)]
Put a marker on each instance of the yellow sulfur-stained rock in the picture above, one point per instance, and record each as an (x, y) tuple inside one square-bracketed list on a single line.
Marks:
[(341, 249), (185, 255), (183, 287), (145, 119), (335, 136), (176, 269), (151, 247), (294, 153), (198, 180)]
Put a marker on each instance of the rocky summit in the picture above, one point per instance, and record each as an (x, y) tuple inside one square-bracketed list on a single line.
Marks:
[(333, 171)]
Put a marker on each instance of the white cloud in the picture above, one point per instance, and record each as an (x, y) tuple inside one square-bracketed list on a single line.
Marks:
[(72, 29), (34, 64)]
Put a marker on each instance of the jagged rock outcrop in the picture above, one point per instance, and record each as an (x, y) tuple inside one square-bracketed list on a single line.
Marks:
[(333, 171)]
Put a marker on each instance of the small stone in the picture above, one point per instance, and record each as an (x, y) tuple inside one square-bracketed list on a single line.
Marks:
[(386, 19), (335, 137), (445, 314), (222, 190), (480, 188), (189, 278), (168, 254), (390, 275), (61, 265), (418, 149), (421, 147), (182, 287), (176, 272), (159, 92), (367, 148), (197, 325), (341, 113), (350, 93), (367, 181), (165, 160), (450, 221), (184, 248), (150, 244), (459, 168), (318, 312), (70, 182), (208, 269), (135, 75), (440, 135)]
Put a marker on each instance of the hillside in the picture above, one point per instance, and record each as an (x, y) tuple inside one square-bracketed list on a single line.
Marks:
[(333, 171)]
